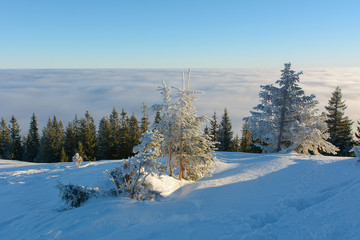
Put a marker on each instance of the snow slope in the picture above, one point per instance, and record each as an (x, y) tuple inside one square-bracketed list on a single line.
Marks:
[(250, 196)]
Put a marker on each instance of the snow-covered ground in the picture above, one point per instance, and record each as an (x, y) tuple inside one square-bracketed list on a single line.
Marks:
[(250, 196)]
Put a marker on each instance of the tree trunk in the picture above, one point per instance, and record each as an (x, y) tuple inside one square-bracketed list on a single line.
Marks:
[(181, 154), (181, 173), (282, 119), (170, 166)]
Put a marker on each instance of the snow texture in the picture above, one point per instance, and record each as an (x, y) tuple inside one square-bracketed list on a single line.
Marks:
[(250, 196)]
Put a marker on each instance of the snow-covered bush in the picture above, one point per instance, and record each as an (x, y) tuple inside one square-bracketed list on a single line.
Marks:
[(356, 150), (77, 159), (130, 177), (75, 195)]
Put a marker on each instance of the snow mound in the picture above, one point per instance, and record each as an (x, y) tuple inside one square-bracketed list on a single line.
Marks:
[(166, 185)]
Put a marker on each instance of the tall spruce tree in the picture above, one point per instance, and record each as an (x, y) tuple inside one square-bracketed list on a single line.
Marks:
[(77, 131), (225, 138), (115, 137), (88, 137), (214, 129), (339, 125), (70, 144), (144, 126), (287, 118), (4, 139), (52, 141), (15, 148), (104, 137), (32, 143)]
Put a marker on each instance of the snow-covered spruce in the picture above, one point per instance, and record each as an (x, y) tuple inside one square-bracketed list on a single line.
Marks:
[(184, 144), (75, 195), (130, 178), (286, 118)]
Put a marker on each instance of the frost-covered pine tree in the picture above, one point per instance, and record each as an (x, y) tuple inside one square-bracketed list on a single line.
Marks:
[(184, 144), (287, 118), (194, 150), (165, 125)]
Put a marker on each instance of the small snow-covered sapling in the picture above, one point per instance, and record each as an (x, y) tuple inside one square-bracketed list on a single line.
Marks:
[(356, 150)]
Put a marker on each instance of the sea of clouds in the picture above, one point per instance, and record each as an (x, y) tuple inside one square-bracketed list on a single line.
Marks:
[(66, 92)]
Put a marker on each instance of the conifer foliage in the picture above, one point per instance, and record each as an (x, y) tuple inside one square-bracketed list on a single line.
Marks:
[(4, 139), (225, 133), (15, 146), (32, 143), (357, 134), (88, 137), (52, 141), (339, 125), (246, 139), (287, 118)]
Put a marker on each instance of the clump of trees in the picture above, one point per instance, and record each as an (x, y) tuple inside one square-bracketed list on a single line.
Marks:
[(176, 136), (287, 118)]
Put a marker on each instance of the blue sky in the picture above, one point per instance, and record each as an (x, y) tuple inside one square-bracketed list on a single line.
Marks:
[(178, 34)]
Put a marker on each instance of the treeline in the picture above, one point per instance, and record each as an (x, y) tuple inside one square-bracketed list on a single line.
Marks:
[(117, 134), (115, 138), (222, 133)]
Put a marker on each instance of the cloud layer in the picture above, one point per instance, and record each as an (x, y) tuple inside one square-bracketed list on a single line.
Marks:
[(69, 92)]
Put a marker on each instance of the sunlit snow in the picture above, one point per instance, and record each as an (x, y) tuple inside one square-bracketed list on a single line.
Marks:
[(250, 196)]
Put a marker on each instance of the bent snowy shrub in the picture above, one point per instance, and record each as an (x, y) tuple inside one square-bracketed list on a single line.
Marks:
[(75, 195), (130, 180), (77, 159)]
